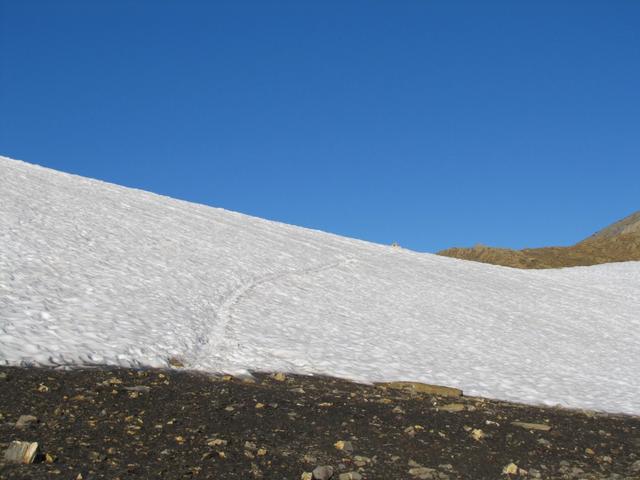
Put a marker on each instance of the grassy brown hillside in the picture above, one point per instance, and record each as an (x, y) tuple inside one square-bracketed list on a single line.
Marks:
[(619, 242)]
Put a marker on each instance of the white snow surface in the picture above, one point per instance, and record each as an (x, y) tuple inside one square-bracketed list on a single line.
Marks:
[(93, 274)]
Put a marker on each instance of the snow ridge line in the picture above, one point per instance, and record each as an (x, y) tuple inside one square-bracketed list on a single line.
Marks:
[(212, 344)]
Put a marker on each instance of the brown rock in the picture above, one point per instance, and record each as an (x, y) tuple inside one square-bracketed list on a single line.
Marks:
[(532, 426), (426, 388), (21, 452)]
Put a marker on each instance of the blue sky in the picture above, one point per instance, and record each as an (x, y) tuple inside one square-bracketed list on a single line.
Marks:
[(429, 123)]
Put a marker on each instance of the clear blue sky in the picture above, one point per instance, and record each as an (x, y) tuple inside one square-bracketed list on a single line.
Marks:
[(431, 123)]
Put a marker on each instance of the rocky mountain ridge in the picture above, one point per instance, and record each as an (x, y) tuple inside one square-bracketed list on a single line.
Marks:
[(619, 242)]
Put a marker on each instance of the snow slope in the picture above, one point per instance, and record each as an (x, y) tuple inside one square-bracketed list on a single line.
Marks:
[(93, 273)]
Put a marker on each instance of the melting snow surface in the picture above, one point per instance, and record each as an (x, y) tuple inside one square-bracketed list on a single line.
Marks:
[(93, 273)]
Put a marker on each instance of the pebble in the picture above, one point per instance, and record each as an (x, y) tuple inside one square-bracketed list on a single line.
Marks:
[(422, 473), (21, 452), (361, 461), (343, 445), (532, 426), (26, 420), (323, 472), (452, 407), (350, 476), (138, 388)]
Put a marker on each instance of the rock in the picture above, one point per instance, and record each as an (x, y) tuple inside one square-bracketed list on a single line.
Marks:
[(175, 362), (410, 431), (343, 445), (511, 469), (544, 442), (423, 473), (324, 472), (635, 466), (26, 420), (350, 476), (138, 388), (452, 407), (532, 426), (477, 434), (533, 473), (418, 387), (360, 461), (216, 442), (21, 452), (306, 476), (279, 376), (4, 376)]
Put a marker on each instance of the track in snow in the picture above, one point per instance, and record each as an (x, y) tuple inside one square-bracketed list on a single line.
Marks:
[(211, 343)]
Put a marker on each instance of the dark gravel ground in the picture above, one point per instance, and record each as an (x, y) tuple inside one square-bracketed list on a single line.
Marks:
[(91, 425)]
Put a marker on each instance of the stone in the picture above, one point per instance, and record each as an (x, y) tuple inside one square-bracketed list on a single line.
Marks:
[(175, 362), (279, 376), (343, 445), (635, 466), (306, 476), (323, 472), (360, 461), (423, 473), (350, 476), (138, 388), (511, 469), (216, 442), (532, 426), (452, 407), (417, 387), (21, 452), (26, 420), (477, 434)]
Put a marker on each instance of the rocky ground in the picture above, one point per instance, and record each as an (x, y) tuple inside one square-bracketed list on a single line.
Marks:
[(122, 423)]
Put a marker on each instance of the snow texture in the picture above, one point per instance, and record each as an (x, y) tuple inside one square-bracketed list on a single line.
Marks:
[(93, 274)]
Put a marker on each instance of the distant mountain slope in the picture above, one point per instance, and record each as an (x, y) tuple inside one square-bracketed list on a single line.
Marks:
[(619, 242), (96, 274), (627, 226)]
